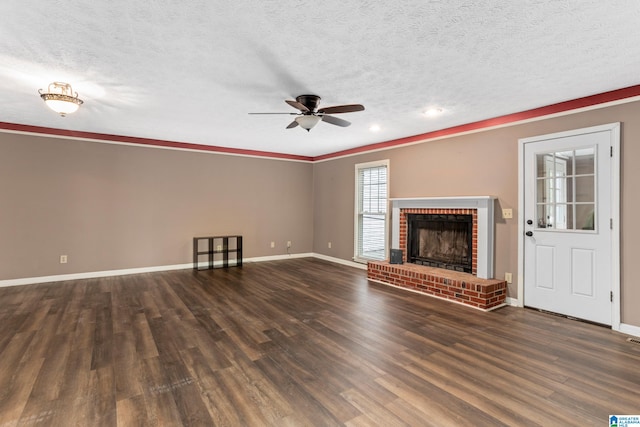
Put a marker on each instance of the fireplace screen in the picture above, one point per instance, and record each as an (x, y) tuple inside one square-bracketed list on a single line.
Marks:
[(440, 240)]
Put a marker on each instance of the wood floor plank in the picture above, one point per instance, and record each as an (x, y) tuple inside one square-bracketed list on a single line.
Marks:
[(305, 404), (36, 319), (77, 376), (149, 305), (17, 376), (220, 405), (241, 396), (412, 416), (325, 390), (132, 412), (84, 332), (127, 368), (102, 405), (535, 362), (52, 372), (297, 342), (143, 338), (376, 414), (103, 335), (160, 404), (443, 410), (491, 397)]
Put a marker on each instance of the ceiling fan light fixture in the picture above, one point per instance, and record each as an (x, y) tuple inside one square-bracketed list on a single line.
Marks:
[(308, 115), (61, 98), (308, 121)]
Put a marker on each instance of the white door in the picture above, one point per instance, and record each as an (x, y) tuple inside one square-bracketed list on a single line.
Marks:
[(568, 223)]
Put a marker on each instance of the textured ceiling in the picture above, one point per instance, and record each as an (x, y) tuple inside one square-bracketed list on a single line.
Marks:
[(191, 71)]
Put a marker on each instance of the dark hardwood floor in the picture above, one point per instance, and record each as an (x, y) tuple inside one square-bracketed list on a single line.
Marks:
[(301, 342)]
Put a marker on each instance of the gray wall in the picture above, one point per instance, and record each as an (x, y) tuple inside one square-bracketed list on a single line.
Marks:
[(483, 163), (112, 206)]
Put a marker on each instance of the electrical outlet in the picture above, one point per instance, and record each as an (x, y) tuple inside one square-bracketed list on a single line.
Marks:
[(329, 245), (63, 259), (507, 213), (219, 248), (288, 243), (508, 278), (273, 244)]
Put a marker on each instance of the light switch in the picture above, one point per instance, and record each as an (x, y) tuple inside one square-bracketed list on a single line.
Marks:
[(507, 213)]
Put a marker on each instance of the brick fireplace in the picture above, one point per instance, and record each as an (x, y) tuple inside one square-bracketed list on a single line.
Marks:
[(477, 288), (404, 229)]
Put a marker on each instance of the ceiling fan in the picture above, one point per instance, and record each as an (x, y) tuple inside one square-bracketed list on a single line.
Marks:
[(308, 116)]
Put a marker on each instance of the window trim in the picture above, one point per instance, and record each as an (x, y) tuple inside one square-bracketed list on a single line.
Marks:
[(358, 167)]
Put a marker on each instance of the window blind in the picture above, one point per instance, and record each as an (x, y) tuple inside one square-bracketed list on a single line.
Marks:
[(371, 215)]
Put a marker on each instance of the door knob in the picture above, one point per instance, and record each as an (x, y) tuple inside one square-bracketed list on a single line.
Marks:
[(530, 222), (529, 233)]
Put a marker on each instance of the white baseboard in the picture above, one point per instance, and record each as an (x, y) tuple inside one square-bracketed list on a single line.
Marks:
[(153, 269), (340, 261), (629, 329), (276, 257), (513, 302), (125, 271), (91, 275)]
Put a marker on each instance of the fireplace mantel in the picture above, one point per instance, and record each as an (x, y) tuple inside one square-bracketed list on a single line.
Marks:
[(484, 207)]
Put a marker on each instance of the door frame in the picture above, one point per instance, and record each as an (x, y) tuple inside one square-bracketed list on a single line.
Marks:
[(614, 140)]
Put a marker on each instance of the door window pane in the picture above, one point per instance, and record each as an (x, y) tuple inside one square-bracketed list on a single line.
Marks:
[(570, 216), (585, 161), (543, 169), (545, 190), (585, 217), (561, 220), (569, 193), (585, 190), (545, 216), (564, 159)]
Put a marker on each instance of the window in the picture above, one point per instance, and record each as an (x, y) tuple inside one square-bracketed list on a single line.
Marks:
[(371, 211), (566, 190)]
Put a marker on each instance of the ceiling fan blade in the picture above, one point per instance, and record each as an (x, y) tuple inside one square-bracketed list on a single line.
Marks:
[(296, 104), (292, 125), (335, 121), (342, 109), (289, 114)]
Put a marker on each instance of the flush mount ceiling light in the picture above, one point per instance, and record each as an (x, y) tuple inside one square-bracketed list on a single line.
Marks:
[(61, 98)]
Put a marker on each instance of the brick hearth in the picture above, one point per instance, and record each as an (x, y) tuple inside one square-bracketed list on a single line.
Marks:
[(455, 286)]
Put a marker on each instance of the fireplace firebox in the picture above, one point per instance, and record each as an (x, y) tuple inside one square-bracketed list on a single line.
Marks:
[(441, 240)]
